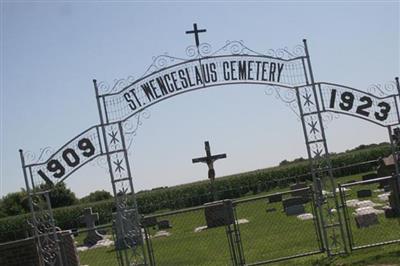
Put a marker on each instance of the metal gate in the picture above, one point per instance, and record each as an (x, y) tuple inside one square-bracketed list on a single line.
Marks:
[(365, 204), (263, 231)]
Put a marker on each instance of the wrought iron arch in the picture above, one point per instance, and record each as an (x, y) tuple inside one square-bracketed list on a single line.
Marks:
[(130, 98)]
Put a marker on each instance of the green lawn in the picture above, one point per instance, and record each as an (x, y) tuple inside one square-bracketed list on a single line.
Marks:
[(268, 235)]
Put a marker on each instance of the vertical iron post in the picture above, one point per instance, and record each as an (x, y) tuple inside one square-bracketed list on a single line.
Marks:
[(326, 159), (122, 255), (28, 190), (396, 173)]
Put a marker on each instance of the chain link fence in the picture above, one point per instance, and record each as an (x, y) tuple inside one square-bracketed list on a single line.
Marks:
[(370, 220)]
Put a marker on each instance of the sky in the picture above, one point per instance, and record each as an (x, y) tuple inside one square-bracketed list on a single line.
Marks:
[(51, 51)]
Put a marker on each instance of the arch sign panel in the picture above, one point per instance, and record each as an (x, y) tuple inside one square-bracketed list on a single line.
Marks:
[(122, 106)]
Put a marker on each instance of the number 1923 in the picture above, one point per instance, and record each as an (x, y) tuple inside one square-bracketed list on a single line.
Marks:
[(346, 103)]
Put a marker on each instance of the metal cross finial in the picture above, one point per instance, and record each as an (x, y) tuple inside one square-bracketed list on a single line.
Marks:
[(196, 33)]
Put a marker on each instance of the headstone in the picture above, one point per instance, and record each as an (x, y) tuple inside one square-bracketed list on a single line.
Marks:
[(390, 213), (292, 202), (219, 213), (295, 210), (366, 220), (363, 193), (271, 210), (369, 176), (387, 188), (90, 219), (303, 193), (149, 221), (164, 224), (275, 198), (386, 167)]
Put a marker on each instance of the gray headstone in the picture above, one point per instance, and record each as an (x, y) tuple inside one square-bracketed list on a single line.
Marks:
[(292, 202), (164, 224), (363, 193), (149, 221), (90, 219), (295, 210), (299, 193), (387, 188), (219, 213), (271, 210), (275, 198), (366, 220)]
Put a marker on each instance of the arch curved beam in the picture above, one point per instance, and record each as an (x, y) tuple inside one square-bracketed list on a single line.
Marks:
[(201, 73), (335, 98), (382, 111)]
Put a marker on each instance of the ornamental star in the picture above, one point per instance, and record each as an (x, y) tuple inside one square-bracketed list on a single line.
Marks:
[(119, 167), (313, 126), (307, 99), (335, 241), (113, 136), (317, 152)]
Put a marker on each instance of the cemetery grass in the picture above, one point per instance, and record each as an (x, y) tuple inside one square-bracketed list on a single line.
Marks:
[(266, 236)]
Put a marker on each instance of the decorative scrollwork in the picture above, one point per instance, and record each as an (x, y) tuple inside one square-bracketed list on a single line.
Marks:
[(286, 53), (32, 158), (160, 62), (382, 90), (328, 117), (288, 97), (131, 126), (193, 51), (119, 84), (235, 48)]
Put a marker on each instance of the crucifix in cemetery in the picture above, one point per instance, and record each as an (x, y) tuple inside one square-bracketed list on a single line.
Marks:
[(209, 160)]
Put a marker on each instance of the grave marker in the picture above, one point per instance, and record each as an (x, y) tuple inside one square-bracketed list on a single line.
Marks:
[(364, 193), (90, 219), (275, 198), (366, 220), (164, 224), (219, 213)]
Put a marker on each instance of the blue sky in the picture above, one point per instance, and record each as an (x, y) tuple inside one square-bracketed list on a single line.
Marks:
[(51, 51)]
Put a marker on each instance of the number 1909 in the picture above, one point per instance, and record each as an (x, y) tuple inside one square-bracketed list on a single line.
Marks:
[(70, 157)]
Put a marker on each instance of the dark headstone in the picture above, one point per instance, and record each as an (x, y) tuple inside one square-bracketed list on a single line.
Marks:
[(275, 198), (369, 176), (363, 193), (386, 167), (366, 220), (295, 210), (387, 188), (299, 186), (390, 213), (219, 213), (89, 219), (271, 210), (292, 202), (164, 224), (149, 221)]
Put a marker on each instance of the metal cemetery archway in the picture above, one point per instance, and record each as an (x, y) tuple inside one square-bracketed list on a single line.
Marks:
[(122, 106)]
